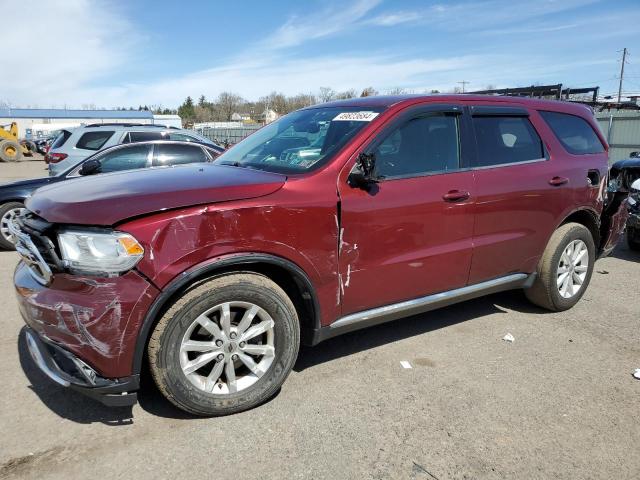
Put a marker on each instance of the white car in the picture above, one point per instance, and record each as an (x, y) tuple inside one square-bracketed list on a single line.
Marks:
[(72, 146)]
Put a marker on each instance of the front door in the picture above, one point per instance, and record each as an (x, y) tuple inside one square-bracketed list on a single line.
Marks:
[(411, 234)]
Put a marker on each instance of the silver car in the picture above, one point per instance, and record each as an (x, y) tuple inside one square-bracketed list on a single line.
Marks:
[(74, 145)]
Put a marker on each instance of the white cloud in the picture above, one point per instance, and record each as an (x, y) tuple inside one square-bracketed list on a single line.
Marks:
[(298, 30), (55, 47), (257, 78), (391, 19)]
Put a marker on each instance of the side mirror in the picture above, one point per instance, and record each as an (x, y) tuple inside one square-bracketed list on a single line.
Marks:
[(363, 174), (635, 186), (90, 167)]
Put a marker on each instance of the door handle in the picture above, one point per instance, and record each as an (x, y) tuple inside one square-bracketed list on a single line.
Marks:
[(557, 181), (455, 196)]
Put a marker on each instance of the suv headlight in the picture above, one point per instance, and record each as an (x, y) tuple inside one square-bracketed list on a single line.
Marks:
[(99, 253)]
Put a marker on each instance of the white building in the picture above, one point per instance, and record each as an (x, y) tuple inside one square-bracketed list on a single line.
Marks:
[(42, 122)]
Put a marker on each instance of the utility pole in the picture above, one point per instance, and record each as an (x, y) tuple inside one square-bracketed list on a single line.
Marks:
[(463, 82), (624, 58)]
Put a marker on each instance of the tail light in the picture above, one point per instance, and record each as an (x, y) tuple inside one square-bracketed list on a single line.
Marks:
[(54, 157)]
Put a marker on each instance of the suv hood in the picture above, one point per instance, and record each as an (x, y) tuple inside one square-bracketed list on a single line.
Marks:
[(110, 198)]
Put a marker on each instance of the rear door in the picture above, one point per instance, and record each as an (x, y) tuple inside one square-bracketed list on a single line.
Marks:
[(521, 192), (411, 234)]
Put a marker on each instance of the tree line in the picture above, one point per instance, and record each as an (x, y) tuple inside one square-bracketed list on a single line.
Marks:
[(222, 108), (226, 104)]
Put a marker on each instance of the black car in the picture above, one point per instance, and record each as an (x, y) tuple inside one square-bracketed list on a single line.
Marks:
[(622, 176), (129, 156)]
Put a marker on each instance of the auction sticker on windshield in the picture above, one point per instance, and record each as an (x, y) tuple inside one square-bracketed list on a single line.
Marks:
[(356, 116)]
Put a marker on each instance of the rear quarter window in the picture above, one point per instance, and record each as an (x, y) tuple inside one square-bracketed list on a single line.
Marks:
[(576, 134), (94, 140), (61, 139)]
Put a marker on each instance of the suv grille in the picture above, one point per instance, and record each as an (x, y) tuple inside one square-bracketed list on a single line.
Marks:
[(35, 248)]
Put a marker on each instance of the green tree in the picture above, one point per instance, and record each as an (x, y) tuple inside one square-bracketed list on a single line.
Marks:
[(187, 111)]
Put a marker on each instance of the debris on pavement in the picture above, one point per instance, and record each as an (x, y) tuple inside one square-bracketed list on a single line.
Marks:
[(405, 364), (636, 374), (509, 338), (603, 272)]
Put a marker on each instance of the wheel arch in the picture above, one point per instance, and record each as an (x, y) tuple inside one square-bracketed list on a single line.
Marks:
[(589, 219), (289, 276)]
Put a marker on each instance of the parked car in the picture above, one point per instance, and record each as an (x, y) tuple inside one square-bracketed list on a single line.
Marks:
[(333, 218), (624, 177), (113, 159), (43, 144), (73, 145)]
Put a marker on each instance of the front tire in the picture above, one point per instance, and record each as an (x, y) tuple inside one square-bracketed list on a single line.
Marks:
[(8, 212), (565, 269), (226, 345)]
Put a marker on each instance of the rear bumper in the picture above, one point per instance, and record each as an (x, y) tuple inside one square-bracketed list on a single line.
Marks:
[(67, 370), (613, 225)]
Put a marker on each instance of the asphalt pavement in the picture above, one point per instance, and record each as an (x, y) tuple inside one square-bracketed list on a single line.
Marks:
[(558, 402)]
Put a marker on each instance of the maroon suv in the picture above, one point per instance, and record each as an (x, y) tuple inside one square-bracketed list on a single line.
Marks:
[(334, 218)]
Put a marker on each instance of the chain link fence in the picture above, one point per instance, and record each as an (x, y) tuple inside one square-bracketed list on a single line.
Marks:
[(227, 135)]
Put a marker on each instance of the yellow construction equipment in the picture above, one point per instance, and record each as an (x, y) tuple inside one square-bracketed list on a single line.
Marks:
[(11, 149)]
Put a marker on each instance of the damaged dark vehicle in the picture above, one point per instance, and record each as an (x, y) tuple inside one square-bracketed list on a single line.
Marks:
[(625, 177)]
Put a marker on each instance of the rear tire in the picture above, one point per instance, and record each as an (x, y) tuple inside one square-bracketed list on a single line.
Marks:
[(562, 280), (632, 239), (8, 211), (31, 147), (194, 329), (10, 151)]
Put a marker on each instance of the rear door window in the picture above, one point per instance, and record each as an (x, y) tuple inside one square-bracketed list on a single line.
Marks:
[(94, 140), (505, 139), (175, 154), (142, 137), (128, 158), (575, 133), (182, 137)]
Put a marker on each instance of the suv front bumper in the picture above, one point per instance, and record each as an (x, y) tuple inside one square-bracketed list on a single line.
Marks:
[(69, 371), (95, 319)]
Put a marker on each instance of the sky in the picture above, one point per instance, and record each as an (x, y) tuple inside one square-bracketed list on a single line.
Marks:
[(75, 53)]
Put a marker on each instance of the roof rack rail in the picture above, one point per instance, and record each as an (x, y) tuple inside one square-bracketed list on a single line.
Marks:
[(115, 124)]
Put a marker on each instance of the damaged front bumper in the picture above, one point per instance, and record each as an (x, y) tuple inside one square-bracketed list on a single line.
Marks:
[(69, 371), (82, 331)]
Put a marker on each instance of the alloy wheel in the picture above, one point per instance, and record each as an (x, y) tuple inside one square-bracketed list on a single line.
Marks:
[(572, 268), (9, 217), (228, 347)]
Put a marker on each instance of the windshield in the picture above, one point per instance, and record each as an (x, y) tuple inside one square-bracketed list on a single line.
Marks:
[(301, 141)]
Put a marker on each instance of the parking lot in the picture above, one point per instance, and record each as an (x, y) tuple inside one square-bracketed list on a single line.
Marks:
[(558, 402)]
